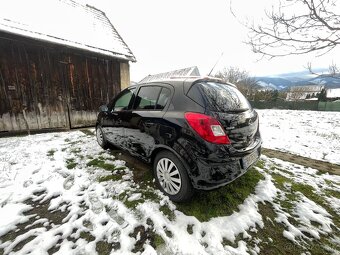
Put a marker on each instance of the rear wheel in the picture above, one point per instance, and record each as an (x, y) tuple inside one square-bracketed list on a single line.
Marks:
[(101, 138), (171, 177)]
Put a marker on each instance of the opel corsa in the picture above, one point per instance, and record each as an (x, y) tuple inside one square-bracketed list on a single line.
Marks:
[(198, 133)]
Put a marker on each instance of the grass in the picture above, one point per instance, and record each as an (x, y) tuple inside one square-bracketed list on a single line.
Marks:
[(223, 201), (51, 152), (281, 245), (292, 195), (167, 212), (133, 204), (332, 193), (70, 163), (113, 177), (97, 162), (147, 194), (158, 241), (273, 231), (307, 191)]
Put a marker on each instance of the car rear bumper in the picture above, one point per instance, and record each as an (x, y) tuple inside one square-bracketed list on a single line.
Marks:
[(215, 171)]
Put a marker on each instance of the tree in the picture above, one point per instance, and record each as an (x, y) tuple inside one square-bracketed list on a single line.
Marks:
[(240, 78), (275, 95), (322, 95), (298, 27)]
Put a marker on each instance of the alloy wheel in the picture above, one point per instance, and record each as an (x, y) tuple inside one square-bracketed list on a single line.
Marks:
[(168, 175), (100, 137)]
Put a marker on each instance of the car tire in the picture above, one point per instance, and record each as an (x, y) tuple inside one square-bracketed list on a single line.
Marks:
[(101, 138), (171, 177)]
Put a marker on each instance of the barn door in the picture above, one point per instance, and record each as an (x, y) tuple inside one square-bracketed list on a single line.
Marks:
[(90, 82), (80, 113)]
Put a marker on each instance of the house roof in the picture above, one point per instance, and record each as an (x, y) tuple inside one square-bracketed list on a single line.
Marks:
[(189, 71), (309, 88), (333, 93), (64, 22)]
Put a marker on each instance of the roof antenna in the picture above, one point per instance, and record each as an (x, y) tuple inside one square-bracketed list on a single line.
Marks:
[(218, 60)]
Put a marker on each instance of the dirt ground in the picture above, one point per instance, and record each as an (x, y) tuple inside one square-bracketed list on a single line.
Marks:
[(313, 163)]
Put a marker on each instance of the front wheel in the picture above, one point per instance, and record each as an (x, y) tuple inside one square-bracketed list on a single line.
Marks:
[(171, 177), (101, 138)]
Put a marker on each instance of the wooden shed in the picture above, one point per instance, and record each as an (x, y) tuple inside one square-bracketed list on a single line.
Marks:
[(59, 61)]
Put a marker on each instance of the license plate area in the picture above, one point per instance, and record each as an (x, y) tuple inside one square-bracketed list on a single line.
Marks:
[(249, 159)]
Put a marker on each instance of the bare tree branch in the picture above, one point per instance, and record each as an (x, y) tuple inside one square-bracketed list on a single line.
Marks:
[(297, 27), (333, 71)]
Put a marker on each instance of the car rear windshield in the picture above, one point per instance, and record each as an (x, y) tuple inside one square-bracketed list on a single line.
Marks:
[(220, 97)]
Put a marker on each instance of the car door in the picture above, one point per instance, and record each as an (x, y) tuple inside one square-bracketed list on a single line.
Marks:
[(145, 119), (116, 119)]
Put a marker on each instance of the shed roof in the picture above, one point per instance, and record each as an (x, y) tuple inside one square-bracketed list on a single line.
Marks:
[(64, 22), (189, 71)]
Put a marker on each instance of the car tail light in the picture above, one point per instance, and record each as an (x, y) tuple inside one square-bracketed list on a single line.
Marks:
[(207, 127)]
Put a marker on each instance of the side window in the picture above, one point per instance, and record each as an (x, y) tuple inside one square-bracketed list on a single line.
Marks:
[(122, 103), (147, 98), (163, 99)]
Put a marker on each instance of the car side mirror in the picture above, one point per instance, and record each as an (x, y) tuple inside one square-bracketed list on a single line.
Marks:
[(103, 108)]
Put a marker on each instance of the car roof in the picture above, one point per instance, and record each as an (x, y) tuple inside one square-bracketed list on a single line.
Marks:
[(186, 81)]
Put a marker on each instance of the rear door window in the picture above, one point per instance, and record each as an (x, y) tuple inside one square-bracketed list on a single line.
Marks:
[(152, 98), (163, 98), (222, 97), (147, 98)]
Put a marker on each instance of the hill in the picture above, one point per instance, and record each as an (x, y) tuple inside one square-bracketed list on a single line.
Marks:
[(287, 80)]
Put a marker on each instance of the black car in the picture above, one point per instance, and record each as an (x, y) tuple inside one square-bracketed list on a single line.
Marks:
[(199, 133)]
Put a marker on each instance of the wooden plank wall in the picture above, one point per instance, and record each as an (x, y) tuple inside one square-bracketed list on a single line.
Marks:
[(93, 82), (47, 87)]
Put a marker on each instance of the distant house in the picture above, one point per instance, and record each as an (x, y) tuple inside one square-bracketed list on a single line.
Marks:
[(59, 61), (189, 71), (309, 92), (333, 94)]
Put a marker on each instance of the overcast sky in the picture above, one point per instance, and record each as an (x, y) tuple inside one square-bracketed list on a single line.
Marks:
[(169, 35)]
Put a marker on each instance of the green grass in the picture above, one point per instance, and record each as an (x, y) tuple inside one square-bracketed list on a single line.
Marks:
[(293, 195), (307, 190), (70, 163), (87, 236), (133, 204), (147, 194), (113, 177), (51, 152), (280, 180), (101, 164), (158, 241), (223, 201), (332, 193), (281, 245), (167, 212)]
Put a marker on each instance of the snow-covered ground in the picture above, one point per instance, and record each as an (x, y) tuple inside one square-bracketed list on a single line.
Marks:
[(51, 200), (310, 134)]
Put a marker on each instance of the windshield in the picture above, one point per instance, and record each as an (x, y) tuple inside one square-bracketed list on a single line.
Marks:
[(224, 98)]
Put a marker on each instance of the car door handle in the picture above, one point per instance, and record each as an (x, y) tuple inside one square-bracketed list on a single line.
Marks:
[(114, 113)]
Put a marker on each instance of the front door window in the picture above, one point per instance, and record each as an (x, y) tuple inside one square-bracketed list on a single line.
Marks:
[(123, 102)]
